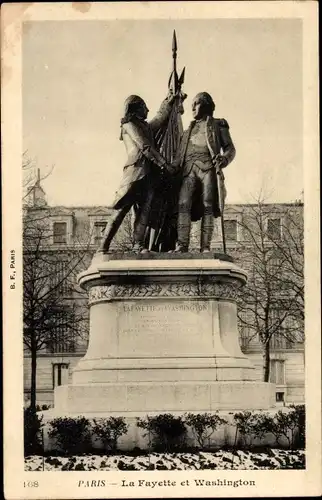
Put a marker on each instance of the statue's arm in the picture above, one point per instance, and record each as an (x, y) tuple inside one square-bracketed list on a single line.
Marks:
[(179, 153), (143, 145), (228, 148), (162, 115)]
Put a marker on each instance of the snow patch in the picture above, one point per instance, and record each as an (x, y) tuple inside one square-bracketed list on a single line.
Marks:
[(236, 459)]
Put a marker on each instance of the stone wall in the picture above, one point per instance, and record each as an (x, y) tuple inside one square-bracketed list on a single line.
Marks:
[(294, 375)]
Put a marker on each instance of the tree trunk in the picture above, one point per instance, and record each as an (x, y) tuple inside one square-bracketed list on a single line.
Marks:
[(267, 360), (33, 387)]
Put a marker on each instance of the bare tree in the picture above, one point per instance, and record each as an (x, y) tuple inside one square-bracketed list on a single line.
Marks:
[(27, 171), (271, 305), (54, 308), (31, 177), (290, 250)]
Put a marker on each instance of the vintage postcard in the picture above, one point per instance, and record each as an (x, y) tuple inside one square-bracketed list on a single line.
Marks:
[(161, 260)]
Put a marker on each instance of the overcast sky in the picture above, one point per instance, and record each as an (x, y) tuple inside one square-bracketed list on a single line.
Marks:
[(77, 74)]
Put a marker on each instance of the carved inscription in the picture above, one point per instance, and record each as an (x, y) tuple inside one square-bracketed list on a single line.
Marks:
[(191, 306), (166, 329)]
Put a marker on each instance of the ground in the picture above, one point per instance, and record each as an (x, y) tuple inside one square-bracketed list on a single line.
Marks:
[(237, 459)]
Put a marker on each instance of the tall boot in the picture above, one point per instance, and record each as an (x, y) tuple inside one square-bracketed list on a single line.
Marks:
[(139, 236), (141, 222), (184, 226), (109, 233), (112, 228), (207, 229)]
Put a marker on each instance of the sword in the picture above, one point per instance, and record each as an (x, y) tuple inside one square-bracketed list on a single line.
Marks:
[(221, 202), (221, 199)]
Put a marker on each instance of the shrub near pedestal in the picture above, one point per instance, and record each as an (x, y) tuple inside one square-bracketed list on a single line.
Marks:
[(286, 426), (109, 430), (72, 435), (32, 428), (203, 425), (299, 415), (165, 432)]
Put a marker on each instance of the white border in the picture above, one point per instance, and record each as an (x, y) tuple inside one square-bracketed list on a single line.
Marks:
[(63, 484)]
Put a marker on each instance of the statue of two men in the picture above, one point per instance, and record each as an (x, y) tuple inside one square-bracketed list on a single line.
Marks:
[(205, 149)]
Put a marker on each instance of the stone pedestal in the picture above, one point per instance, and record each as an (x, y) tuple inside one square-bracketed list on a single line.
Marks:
[(163, 337)]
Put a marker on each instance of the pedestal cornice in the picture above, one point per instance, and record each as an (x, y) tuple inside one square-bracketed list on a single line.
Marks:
[(162, 277)]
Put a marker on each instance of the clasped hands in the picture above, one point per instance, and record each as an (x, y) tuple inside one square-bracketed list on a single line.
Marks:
[(219, 162), (170, 168)]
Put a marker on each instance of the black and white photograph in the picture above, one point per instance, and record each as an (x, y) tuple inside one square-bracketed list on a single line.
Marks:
[(161, 249)]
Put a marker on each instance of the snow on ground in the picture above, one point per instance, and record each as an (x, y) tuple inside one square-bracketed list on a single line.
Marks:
[(236, 459)]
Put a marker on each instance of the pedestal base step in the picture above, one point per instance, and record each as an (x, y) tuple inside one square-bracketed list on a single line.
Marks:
[(161, 370), (201, 396)]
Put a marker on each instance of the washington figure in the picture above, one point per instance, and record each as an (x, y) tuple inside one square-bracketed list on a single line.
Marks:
[(205, 149)]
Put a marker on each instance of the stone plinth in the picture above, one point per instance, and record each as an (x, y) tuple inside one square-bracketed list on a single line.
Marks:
[(163, 337)]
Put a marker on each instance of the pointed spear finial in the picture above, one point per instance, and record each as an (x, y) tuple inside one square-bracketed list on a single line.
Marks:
[(174, 43), (181, 78), (174, 56)]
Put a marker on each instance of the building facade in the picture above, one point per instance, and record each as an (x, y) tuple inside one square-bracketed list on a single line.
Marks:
[(77, 231)]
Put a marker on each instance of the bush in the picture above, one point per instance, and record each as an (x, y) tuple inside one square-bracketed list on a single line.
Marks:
[(290, 425), (203, 425), (109, 430), (166, 432), (71, 434), (263, 424), (245, 424), (287, 424), (282, 425), (42, 407), (32, 438), (253, 426), (299, 415)]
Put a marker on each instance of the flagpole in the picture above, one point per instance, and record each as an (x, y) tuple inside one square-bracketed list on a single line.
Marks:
[(167, 141)]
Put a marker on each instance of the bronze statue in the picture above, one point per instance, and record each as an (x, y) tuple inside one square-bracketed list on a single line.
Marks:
[(147, 183), (141, 171), (205, 149)]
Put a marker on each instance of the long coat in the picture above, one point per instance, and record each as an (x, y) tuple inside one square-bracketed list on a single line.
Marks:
[(142, 156), (219, 142)]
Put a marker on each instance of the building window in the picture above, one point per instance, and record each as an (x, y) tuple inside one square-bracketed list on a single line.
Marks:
[(62, 276), (59, 232), (230, 230), (62, 337), (274, 264), (60, 374), (279, 397), (98, 230), (274, 229), (277, 372), (280, 341), (245, 336)]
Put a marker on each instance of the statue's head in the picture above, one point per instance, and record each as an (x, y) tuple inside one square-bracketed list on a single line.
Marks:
[(134, 106), (202, 106)]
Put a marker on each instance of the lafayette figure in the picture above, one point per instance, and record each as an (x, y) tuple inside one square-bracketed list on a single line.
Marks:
[(141, 171), (205, 149)]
